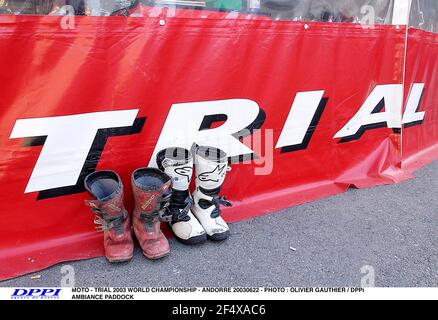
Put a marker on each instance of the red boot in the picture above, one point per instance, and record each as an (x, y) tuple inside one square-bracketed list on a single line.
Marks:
[(110, 214), (152, 193)]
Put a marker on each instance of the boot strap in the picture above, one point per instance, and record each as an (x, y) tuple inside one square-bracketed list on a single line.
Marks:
[(181, 215), (150, 217), (216, 201), (161, 214), (107, 224)]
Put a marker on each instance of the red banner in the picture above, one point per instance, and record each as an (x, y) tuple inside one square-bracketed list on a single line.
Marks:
[(420, 140), (322, 98)]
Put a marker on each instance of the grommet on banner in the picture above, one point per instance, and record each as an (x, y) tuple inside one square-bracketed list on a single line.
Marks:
[(162, 22), (397, 27), (306, 26)]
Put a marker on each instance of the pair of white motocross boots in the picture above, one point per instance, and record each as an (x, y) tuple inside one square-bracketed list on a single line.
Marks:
[(194, 220)]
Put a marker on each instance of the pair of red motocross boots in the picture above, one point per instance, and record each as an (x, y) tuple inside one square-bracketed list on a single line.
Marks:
[(152, 193)]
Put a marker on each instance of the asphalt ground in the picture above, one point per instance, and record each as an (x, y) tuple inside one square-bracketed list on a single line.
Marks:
[(390, 232)]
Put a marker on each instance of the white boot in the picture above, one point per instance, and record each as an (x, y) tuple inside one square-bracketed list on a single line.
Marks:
[(211, 168), (178, 164)]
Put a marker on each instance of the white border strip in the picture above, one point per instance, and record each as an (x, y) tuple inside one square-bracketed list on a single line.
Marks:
[(400, 15)]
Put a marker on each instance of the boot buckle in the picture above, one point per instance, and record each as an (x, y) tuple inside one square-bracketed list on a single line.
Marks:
[(102, 225), (164, 213), (183, 214), (165, 216)]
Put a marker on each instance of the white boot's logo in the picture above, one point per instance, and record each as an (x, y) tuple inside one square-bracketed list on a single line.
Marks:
[(186, 172), (166, 163), (219, 172)]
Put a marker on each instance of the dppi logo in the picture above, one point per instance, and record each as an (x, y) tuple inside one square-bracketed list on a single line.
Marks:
[(36, 294)]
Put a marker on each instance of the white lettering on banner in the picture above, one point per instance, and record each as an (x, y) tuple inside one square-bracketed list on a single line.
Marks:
[(183, 124), (369, 115), (300, 118), (69, 139), (412, 115)]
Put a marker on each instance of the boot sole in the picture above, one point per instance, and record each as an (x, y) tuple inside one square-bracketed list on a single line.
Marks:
[(157, 257), (219, 236), (122, 260), (193, 241)]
